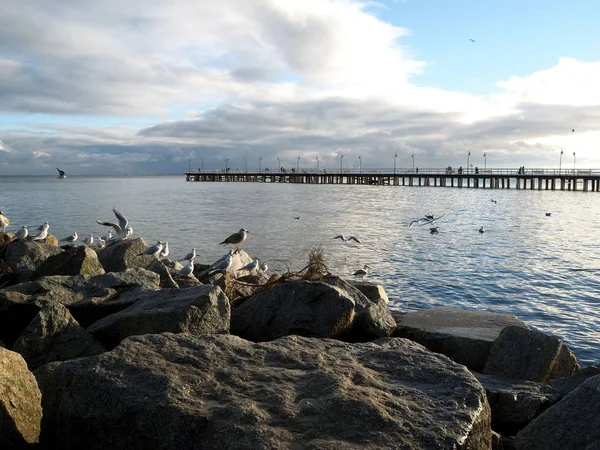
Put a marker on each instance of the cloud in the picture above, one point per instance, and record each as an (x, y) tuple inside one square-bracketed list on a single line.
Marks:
[(237, 79)]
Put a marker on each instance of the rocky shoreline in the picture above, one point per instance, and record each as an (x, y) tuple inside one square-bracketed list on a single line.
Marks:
[(110, 349)]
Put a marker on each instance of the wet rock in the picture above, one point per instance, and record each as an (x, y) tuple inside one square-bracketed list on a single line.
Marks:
[(188, 392), (463, 335), (20, 403), (573, 423), (124, 255), (25, 257), (302, 308), (373, 291), (80, 260), (524, 354), (53, 335), (198, 310), (515, 403), (567, 384)]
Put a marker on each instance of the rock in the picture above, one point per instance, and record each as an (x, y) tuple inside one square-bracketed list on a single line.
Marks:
[(524, 354), (8, 276), (80, 260), (53, 335), (198, 310), (6, 238), (124, 255), (302, 308), (373, 291), (20, 403), (166, 280), (372, 319), (246, 286), (50, 239), (515, 403), (567, 384), (25, 257), (573, 423), (185, 392), (187, 282), (463, 335)]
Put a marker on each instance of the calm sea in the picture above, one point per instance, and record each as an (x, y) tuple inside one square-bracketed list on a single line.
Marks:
[(546, 270)]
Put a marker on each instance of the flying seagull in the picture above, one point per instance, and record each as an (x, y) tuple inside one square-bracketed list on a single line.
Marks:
[(429, 219), (122, 229), (347, 238), (61, 174), (3, 221), (236, 238), (472, 40)]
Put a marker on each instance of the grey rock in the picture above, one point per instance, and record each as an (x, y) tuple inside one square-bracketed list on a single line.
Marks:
[(567, 384), (166, 280), (53, 335), (515, 403), (302, 308), (25, 257), (80, 260), (187, 282), (8, 276), (373, 291), (124, 255), (185, 392), (529, 355), (573, 423), (465, 336), (20, 403), (198, 310)]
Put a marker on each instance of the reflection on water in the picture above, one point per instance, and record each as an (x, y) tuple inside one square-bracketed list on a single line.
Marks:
[(543, 269)]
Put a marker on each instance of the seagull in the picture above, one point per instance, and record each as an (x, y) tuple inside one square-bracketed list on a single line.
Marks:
[(472, 40), (89, 240), (236, 238), (297, 218), (429, 219), (61, 174), (494, 201), (434, 230), (264, 267), (71, 238), (165, 251), (22, 233), (222, 264), (101, 243), (108, 235), (123, 230), (43, 232), (186, 270), (190, 255), (3, 221), (250, 267), (362, 273), (153, 250), (482, 230), (548, 214), (347, 238)]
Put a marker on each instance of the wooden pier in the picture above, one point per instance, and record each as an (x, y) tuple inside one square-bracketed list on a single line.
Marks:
[(535, 179)]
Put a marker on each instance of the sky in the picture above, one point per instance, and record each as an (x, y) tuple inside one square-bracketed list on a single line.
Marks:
[(154, 87)]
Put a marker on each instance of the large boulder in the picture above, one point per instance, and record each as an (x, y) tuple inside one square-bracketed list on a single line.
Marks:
[(573, 423), (53, 335), (373, 291), (80, 260), (184, 392), (20, 403), (7, 275), (125, 255), (567, 384), (524, 354), (303, 308), (465, 336), (515, 403), (166, 280), (198, 310), (25, 257)]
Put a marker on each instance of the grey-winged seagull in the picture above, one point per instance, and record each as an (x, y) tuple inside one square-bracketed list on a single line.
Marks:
[(236, 238), (123, 230)]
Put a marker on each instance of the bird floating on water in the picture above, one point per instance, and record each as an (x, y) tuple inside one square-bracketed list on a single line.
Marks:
[(4, 222), (362, 273), (347, 238), (494, 201), (236, 238), (548, 214), (61, 174), (482, 230), (434, 230)]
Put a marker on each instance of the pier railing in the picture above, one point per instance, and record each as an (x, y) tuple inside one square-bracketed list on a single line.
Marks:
[(417, 171)]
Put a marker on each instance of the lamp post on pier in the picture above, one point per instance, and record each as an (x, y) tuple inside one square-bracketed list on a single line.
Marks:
[(342, 164), (573, 162), (413, 159), (359, 164), (298, 165), (484, 162), (278, 165), (395, 156), (202, 164), (246, 165), (190, 165), (317, 159), (259, 161), (560, 162), (468, 157), (226, 163)]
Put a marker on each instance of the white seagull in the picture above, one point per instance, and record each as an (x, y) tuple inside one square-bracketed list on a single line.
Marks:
[(251, 266), (190, 255), (4, 222), (222, 264), (347, 238), (187, 270), (236, 238), (429, 219), (71, 238), (153, 250), (22, 233), (89, 240), (165, 251), (43, 232), (264, 267), (122, 229), (101, 243), (362, 273)]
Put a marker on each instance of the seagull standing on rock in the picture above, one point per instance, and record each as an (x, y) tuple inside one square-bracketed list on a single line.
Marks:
[(165, 251), (362, 273), (222, 264), (236, 238), (43, 232), (264, 267), (186, 270), (191, 255), (4, 222), (22, 233), (89, 240), (153, 250), (71, 238), (252, 266)]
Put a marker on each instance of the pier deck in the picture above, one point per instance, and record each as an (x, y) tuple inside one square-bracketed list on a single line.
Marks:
[(536, 179)]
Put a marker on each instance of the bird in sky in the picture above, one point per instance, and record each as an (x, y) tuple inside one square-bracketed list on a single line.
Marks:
[(347, 238), (472, 40)]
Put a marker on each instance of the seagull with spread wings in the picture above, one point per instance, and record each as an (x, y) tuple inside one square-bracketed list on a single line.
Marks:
[(122, 229)]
